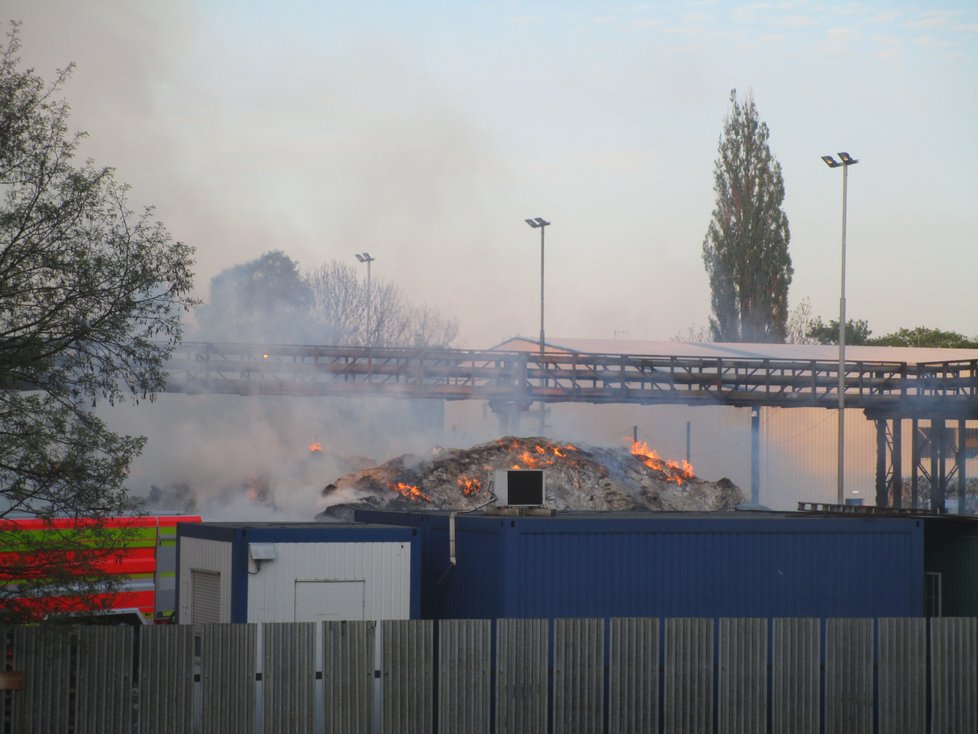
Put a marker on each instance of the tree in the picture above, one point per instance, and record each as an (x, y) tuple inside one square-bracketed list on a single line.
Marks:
[(265, 300), (922, 336), (91, 296), (799, 324), (340, 305), (857, 332), (746, 246)]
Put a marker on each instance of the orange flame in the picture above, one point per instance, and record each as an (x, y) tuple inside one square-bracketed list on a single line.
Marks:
[(315, 447), (675, 471), (541, 456), (468, 485), (410, 491)]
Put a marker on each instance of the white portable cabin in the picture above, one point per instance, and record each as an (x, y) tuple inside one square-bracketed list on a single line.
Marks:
[(297, 572)]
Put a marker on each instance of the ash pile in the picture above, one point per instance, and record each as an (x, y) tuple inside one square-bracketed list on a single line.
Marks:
[(577, 478)]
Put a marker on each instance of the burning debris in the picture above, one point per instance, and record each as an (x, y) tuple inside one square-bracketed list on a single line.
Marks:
[(578, 478)]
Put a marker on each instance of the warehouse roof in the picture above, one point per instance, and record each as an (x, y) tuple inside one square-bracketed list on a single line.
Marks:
[(820, 352)]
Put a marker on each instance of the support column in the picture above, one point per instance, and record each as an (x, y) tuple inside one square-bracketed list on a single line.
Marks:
[(755, 456), (915, 464), (937, 465), (961, 461), (896, 460), (880, 462), (509, 417)]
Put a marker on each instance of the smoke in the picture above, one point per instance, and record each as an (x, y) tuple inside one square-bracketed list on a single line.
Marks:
[(234, 458)]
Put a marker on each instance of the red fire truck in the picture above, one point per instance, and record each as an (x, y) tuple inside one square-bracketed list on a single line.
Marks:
[(144, 563)]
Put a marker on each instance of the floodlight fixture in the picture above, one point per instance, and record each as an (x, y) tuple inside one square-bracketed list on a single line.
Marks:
[(365, 257)]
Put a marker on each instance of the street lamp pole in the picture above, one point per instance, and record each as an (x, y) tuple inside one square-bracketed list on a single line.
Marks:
[(541, 224), (845, 161), (365, 257)]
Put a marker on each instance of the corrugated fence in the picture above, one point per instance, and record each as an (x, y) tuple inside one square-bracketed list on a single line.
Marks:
[(622, 675)]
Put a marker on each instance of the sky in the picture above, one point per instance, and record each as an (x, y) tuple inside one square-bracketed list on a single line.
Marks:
[(425, 133)]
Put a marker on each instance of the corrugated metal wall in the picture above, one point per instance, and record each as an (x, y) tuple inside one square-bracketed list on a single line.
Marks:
[(653, 564), (660, 566), (564, 675)]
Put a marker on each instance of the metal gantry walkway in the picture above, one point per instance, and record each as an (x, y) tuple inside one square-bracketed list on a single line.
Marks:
[(887, 392)]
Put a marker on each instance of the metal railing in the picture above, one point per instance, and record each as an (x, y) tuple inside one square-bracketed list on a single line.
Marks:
[(522, 676)]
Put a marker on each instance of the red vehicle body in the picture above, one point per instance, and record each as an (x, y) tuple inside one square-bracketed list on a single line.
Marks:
[(145, 564)]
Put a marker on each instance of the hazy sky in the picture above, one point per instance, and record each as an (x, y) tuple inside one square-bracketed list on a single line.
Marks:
[(425, 132)]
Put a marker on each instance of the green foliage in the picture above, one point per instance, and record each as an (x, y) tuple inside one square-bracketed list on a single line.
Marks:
[(263, 300), (857, 332), (922, 336), (746, 246), (91, 296)]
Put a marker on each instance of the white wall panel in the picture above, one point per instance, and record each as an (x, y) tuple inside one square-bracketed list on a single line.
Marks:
[(385, 569), (203, 555)]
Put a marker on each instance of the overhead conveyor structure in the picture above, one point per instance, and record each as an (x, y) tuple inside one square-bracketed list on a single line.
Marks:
[(945, 394)]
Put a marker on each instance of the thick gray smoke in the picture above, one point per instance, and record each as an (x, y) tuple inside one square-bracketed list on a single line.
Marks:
[(267, 458)]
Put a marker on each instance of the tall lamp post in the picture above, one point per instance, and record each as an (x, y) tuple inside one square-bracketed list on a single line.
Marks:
[(845, 160), (364, 257), (541, 224)]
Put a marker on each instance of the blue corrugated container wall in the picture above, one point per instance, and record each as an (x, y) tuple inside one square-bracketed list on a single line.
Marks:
[(240, 535), (668, 564)]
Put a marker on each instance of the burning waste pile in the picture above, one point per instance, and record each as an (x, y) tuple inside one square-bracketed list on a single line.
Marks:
[(578, 478)]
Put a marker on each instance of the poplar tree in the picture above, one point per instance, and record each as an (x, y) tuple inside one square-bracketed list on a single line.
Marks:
[(746, 246)]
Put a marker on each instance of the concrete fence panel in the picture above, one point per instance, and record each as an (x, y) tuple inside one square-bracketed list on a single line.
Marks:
[(464, 666), (849, 676), (743, 676), (44, 656), (348, 676), (104, 694), (795, 685), (688, 676), (166, 679), (633, 686), (408, 670), (228, 662), (578, 675), (288, 677), (954, 686), (902, 644), (521, 676)]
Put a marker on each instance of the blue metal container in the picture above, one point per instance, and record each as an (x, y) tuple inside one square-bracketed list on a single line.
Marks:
[(761, 564)]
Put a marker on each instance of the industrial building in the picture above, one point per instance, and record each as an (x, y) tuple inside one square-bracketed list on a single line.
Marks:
[(297, 572)]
